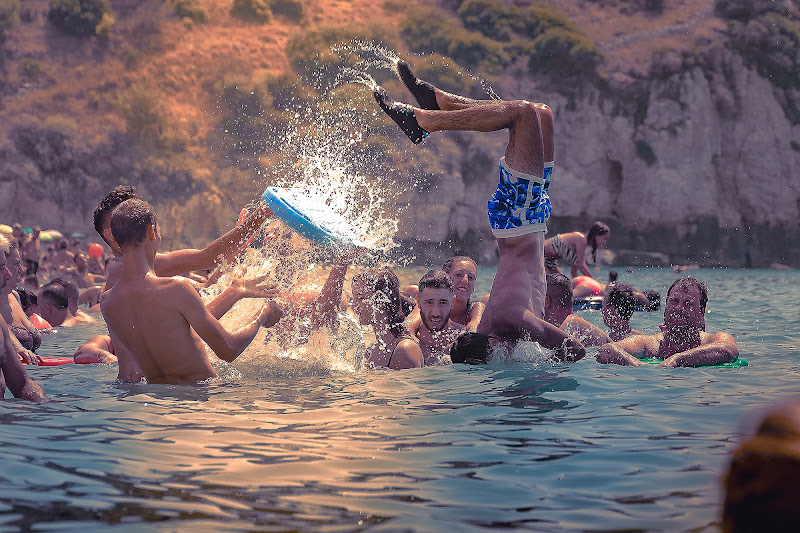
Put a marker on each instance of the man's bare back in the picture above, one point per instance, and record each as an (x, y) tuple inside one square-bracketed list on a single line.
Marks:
[(159, 321)]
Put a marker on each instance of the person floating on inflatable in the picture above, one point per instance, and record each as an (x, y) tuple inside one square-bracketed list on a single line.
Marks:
[(518, 211), (682, 341)]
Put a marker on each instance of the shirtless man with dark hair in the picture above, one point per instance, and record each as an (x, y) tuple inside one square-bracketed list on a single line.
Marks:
[(169, 264), (159, 321), (518, 211), (435, 330)]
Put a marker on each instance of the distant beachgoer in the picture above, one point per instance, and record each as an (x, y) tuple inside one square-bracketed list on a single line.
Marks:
[(586, 286), (12, 374), (63, 258), (612, 276), (618, 306), (77, 316), (436, 331), (571, 248), (761, 480), (682, 341), (25, 336), (160, 321), (518, 211), (377, 303), (31, 252), (558, 311)]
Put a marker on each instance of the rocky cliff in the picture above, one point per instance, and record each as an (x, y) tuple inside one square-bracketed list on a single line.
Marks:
[(694, 155)]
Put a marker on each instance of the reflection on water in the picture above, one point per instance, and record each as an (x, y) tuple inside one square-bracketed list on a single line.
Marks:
[(516, 444)]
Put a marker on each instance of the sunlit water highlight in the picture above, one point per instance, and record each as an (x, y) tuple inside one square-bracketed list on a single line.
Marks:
[(306, 445)]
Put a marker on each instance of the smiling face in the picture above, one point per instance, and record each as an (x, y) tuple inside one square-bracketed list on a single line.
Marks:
[(683, 307), (464, 274), (434, 307)]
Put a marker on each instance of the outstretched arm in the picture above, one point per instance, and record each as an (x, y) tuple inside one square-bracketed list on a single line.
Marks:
[(624, 352), (177, 262), (581, 260), (535, 329), (98, 349), (227, 345), (239, 289), (720, 348), (326, 306)]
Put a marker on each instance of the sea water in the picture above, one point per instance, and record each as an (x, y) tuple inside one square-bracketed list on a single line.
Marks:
[(515, 445)]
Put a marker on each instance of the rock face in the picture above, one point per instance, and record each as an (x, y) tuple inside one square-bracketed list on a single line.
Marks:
[(707, 170)]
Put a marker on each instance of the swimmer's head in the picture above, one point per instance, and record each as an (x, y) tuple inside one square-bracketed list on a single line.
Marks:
[(623, 300), (761, 489), (102, 213), (471, 349), (597, 236), (376, 297), (653, 300), (463, 271), (435, 299), (559, 291), (131, 222)]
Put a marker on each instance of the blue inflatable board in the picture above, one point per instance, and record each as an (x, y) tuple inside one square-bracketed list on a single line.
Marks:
[(309, 215)]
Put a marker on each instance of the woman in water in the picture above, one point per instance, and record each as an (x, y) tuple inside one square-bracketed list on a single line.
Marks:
[(25, 337), (376, 302), (464, 272), (12, 373), (571, 248)]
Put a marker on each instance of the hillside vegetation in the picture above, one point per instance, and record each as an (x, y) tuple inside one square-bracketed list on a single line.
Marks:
[(191, 97)]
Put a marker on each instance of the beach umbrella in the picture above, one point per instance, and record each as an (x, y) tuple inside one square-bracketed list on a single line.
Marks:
[(77, 235), (5, 228), (45, 237), (53, 233)]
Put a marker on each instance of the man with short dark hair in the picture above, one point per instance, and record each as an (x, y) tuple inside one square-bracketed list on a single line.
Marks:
[(558, 311), (435, 331), (54, 305), (167, 263), (618, 306), (682, 341), (159, 321)]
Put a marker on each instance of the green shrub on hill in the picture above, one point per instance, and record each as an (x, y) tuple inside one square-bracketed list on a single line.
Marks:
[(30, 67), (539, 17), (251, 10), (78, 17), (490, 17), (565, 52), (140, 106), (291, 9), (442, 72), (427, 30), (475, 51), (9, 16), (191, 9), (770, 42)]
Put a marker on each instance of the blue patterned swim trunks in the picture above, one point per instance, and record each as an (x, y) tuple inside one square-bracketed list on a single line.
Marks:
[(521, 203)]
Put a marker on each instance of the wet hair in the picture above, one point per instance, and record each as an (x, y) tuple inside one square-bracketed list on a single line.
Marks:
[(447, 266), (55, 294), (69, 285), (623, 299), (760, 483), (385, 288), (560, 289), (130, 221), (436, 279), (689, 281), (102, 213), (407, 303), (470, 348), (653, 300), (27, 298), (612, 276), (597, 229)]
